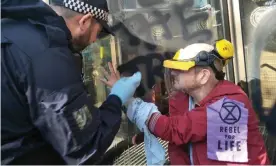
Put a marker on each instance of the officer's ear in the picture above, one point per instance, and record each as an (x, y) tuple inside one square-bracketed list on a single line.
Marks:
[(85, 22)]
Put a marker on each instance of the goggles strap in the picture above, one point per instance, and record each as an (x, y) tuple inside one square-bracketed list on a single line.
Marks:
[(219, 56), (218, 74)]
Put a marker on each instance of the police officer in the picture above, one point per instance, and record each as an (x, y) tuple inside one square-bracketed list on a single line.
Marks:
[(47, 117)]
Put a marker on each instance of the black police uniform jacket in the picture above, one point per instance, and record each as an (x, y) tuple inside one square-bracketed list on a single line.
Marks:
[(46, 114)]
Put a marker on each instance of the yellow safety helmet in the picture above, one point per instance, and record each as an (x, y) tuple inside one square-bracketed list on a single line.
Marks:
[(224, 48), (200, 54)]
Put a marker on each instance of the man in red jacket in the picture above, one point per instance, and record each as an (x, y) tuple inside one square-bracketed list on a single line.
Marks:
[(211, 120)]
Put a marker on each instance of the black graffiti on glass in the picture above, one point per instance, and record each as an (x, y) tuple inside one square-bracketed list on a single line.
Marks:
[(135, 33), (152, 69), (124, 31), (162, 20), (198, 36), (264, 2), (150, 3), (144, 27)]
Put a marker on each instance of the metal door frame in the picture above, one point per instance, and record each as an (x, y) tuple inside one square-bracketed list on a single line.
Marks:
[(235, 26)]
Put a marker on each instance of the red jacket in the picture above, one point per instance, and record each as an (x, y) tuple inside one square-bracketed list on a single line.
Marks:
[(184, 127)]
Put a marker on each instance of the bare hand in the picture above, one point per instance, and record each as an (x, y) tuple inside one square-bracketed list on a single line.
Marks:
[(111, 78)]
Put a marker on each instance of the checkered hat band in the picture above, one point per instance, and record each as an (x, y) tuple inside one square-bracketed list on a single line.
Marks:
[(85, 8)]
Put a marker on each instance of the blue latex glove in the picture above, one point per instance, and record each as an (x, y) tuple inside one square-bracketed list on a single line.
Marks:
[(126, 86), (138, 112), (200, 3)]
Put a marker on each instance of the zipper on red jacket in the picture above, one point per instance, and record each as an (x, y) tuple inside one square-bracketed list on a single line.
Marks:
[(191, 106)]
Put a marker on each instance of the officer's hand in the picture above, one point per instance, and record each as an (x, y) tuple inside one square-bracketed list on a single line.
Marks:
[(111, 78), (126, 86)]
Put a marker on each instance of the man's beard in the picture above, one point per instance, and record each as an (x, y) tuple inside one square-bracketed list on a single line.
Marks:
[(186, 89), (79, 44), (192, 88), (78, 47)]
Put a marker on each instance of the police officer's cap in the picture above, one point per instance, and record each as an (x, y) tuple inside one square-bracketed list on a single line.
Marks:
[(98, 8)]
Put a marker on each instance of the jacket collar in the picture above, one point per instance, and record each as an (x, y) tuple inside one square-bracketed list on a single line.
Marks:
[(57, 32), (59, 22)]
